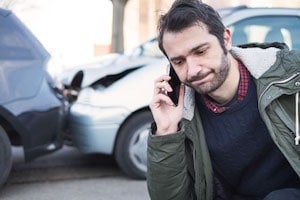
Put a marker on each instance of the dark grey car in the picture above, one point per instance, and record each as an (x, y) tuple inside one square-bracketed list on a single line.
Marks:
[(31, 111)]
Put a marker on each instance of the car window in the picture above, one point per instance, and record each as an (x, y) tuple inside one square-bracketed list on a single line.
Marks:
[(267, 29), (12, 45), (22, 60)]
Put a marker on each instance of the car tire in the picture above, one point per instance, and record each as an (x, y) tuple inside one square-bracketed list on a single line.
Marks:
[(5, 156), (131, 146)]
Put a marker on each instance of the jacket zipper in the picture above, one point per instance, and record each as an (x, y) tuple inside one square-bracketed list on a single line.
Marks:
[(297, 137)]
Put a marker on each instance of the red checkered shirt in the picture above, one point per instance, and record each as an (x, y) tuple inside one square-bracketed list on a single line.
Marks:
[(242, 91)]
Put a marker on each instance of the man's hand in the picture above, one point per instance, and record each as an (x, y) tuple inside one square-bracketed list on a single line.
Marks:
[(165, 113)]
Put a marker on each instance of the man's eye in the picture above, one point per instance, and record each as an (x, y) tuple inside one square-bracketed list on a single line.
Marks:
[(177, 62), (200, 52)]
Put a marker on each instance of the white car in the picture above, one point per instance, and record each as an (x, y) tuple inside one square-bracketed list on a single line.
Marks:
[(115, 119), (110, 113)]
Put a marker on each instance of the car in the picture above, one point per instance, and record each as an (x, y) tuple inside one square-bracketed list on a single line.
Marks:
[(32, 109), (263, 25), (103, 77), (110, 114)]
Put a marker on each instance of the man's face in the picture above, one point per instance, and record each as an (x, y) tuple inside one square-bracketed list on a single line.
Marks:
[(198, 57)]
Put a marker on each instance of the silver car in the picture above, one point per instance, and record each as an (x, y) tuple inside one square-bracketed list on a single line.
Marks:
[(110, 114)]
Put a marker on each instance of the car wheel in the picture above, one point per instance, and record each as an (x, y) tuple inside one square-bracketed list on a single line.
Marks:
[(131, 146), (5, 156)]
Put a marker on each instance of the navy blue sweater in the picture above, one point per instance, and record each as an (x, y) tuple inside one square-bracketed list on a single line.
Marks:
[(242, 152)]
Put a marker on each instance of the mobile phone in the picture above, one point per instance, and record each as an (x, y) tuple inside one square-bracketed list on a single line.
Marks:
[(175, 84)]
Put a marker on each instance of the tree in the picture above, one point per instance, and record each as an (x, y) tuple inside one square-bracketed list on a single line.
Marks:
[(117, 26)]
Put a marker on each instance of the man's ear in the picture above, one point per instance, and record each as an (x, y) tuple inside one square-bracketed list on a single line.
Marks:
[(227, 38)]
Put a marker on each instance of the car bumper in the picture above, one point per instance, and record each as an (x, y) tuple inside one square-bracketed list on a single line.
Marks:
[(37, 144), (94, 129)]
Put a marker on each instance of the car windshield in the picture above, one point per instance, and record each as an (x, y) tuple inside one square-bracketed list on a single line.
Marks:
[(267, 29), (21, 58), (12, 43)]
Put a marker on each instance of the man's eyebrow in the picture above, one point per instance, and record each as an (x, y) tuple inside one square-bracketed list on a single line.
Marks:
[(198, 47), (190, 52)]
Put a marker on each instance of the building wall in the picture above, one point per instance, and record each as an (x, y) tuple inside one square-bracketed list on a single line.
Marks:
[(144, 13)]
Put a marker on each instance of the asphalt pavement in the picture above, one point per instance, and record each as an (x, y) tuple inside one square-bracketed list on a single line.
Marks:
[(69, 175)]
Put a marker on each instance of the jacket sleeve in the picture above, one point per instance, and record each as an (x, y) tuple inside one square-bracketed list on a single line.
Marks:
[(167, 173)]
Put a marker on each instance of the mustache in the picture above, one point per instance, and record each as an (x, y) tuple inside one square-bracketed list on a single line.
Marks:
[(198, 76)]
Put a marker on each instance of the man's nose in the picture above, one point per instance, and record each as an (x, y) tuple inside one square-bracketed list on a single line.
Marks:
[(193, 67)]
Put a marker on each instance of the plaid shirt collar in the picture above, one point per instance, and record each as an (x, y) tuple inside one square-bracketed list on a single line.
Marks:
[(242, 91)]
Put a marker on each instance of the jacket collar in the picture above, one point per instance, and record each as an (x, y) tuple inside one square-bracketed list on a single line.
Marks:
[(256, 60)]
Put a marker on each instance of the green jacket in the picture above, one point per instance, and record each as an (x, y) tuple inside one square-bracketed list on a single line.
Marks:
[(179, 166)]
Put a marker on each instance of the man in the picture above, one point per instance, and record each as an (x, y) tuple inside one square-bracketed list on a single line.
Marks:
[(234, 133)]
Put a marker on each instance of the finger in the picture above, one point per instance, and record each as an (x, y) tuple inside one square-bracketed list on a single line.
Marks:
[(161, 85), (162, 78), (181, 94), (159, 100)]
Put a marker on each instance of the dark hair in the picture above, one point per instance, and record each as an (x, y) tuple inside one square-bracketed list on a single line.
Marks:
[(186, 13)]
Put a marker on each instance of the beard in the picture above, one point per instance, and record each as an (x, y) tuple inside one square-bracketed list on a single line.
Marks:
[(219, 78)]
